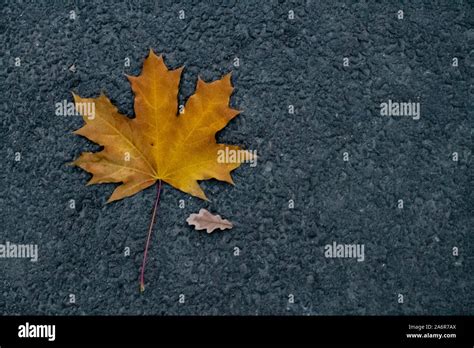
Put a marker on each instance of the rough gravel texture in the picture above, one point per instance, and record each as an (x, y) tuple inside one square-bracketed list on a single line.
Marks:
[(408, 251)]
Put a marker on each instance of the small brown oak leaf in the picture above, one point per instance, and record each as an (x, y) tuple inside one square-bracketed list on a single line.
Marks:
[(206, 221)]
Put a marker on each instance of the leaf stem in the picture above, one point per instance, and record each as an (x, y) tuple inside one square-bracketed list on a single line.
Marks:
[(150, 229)]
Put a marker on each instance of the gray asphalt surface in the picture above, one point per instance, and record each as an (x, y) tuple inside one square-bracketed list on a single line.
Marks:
[(408, 251)]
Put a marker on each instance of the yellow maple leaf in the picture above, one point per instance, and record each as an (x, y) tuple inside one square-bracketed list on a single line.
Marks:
[(159, 144)]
